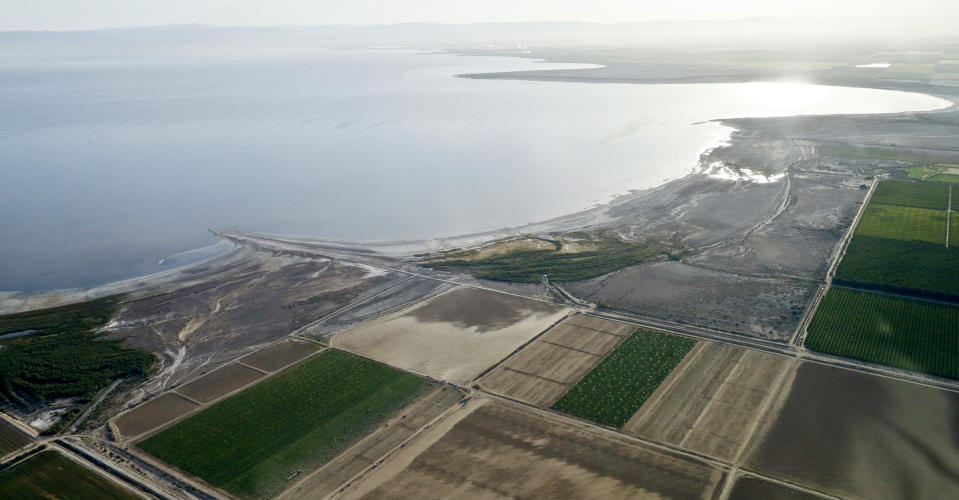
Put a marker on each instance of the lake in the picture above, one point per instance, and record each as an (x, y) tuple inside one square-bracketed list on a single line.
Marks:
[(110, 168)]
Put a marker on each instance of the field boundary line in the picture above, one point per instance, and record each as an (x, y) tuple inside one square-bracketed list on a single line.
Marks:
[(713, 401), (261, 370), (479, 378), (202, 406), (571, 348)]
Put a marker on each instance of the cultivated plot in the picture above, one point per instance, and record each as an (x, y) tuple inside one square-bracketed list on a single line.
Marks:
[(713, 401), (912, 267), (621, 383), (50, 475), (279, 356), (498, 451), (153, 414), (12, 438), (252, 443), (895, 331), (862, 436), (367, 452), (903, 223), (934, 196), (454, 336), (751, 488), (217, 383), (544, 370)]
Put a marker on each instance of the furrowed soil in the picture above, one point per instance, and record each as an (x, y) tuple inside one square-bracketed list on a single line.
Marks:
[(751, 488), (861, 436), (12, 438), (153, 414), (50, 475), (367, 452), (217, 383), (280, 356), (454, 336), (501, 451), (545, 369), (713, 400)]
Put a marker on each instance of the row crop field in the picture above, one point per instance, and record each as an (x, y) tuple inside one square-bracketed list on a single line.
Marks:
[(615, 389), (903, 223), (931, 195), (250, 443), (49, 475), (911, 267), (893, 331)]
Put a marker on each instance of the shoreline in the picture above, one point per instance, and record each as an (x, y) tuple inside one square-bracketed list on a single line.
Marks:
[(594, 215)]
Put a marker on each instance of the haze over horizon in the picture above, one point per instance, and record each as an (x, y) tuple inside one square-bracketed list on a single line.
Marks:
[(66, 15)]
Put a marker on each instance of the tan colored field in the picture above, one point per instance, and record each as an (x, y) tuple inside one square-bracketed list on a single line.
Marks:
[(502, 451), (336, 473), (217, 383), (153, 414), (454, 336), (545, 369), (713, 401), (281, 355), (12, 438)]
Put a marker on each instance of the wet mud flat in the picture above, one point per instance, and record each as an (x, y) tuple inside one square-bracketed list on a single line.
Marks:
[(766, 307), (862, 436), (499, 450), (230, 307), (454, 336)]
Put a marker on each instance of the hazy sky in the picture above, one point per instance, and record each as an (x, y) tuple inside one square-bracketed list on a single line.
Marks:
[(88, 14)]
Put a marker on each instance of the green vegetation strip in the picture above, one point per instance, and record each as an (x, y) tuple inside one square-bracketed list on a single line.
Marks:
[(57, 353), (51, 475), (929, 195), (903, 223), (893, 331), (251, 443), (615, 389), (906, 267), (529, 266)]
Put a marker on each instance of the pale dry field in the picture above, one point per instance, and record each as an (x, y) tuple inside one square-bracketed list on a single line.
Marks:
[(713, 401), (545, 369), (152, 414), (337, 472), (454, 336), (221, 381), (501, 451)]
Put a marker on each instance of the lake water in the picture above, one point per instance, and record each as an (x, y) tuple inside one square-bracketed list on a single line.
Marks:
[(108, 167)]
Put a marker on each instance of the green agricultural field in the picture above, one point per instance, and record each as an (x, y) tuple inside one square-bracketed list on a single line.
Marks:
[(929, 195), (615, 389), (949, 178), (49, 474), (903, 223), (529, 266), (909, 267), (56, 353), (249, 444), (954, 234), (893, 331)]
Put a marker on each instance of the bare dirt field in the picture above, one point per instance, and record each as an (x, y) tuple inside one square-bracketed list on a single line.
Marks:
[(713, 401), (500, 451), (863, 436), (281, 355), (11, 438), (219, 382), (152, 414), (544, 370), (751, 488), (454, 336), (766, 307), (337, 472)]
